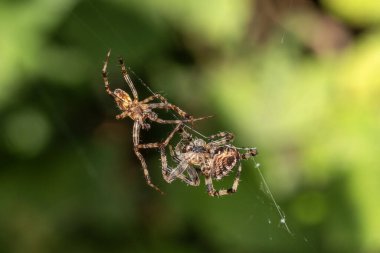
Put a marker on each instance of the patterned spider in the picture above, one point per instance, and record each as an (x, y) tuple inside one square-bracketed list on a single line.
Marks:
[(214, 159), (139, 111)]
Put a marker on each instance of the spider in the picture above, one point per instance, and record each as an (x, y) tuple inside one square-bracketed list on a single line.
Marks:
[(214, 159), (140, 111)]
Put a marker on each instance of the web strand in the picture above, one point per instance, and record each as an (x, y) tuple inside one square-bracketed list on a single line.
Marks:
[(269, 192)]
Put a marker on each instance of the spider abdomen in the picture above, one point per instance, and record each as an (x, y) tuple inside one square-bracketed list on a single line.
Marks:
[(224, 161)]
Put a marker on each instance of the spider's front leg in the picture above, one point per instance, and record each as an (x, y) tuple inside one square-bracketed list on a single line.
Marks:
[(123, 115), (128, 80), (105, 77)]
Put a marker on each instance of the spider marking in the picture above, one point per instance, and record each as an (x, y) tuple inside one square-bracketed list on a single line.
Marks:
[(214, 158)]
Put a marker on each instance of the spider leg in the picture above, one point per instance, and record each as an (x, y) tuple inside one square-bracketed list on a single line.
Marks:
[(162, 144), (235, 185), (122, 115), (193, 176), (186, 138), (174, 154), (127, 79), (105, 77), (251, 152), (179, 170), (136, 140), (170, 175), (210, 187), (168, 106), (148, 99), (225, 138), (164, 121), (166, 171), (212, 192)]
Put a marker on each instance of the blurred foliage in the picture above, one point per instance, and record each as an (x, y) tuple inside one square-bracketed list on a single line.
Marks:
[(297, 78)]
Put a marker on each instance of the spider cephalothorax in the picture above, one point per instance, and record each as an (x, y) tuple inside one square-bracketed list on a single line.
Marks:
[(140, 111), (214, 159)]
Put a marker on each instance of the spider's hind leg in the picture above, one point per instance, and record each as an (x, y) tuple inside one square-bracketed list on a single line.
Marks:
[(145, 170), (136, 140), (235, 185), (212, 192)]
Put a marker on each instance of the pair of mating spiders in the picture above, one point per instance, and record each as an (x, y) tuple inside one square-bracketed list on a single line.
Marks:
[(214, 157)]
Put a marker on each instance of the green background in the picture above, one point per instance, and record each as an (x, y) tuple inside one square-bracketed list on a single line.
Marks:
[(297, 79)]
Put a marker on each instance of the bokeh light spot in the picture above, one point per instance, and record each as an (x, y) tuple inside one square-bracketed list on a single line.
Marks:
[(27, 132)]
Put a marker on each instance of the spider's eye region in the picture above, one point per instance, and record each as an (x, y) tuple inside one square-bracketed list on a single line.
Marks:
[(198, 149), (199, 142)]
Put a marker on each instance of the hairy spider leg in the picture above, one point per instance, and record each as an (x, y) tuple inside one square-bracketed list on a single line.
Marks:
[(162, 121), (167, 106), (165, 121), (212, 192), (138, 146), (251, 152), (105, 77), (128, 79), (162, 144), (192, 173), (170, 175), (136, 140), (225, 138)]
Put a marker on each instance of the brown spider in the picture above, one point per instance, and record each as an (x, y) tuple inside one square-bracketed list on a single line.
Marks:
[(214, 159), (139, 111)]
